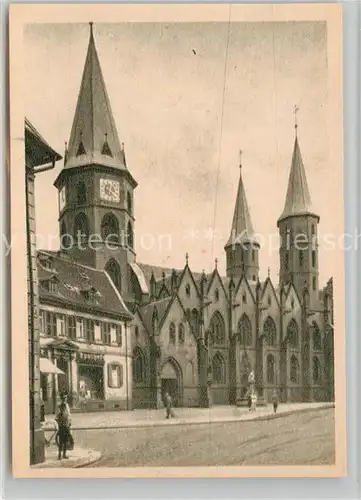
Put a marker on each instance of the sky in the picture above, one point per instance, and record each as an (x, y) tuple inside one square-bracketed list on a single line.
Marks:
[(186, 98)]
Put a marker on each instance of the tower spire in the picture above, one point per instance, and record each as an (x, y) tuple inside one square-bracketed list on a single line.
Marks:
[(93, 119), (242, 246), (242, 227), (298, 198), (295, 111)]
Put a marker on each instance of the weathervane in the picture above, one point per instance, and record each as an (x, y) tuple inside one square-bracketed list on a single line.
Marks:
[(295, 111)]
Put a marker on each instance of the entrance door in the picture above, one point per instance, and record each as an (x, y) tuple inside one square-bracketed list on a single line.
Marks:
[(171, 382), (170, 385), (63, 380)]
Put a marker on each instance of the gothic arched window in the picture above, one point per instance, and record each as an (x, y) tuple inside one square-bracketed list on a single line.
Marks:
[(245, 330), (65, 240), (129, 202), (218, 369), (217, 329), (270, 369), (181, 334), (292, 333), (317, 341), (81, 193), (294, 370), (316, 369), (270, 331), (172, 333), (138, 366), (155, 321), (194, 320), (130, 236), (113, 269), (110, 227), (81, 228)]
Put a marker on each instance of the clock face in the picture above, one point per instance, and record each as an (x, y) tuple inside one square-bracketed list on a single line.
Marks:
[(109, 190), (62, 198)]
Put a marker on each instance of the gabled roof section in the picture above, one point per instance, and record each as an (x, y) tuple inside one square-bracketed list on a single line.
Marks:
[(251, 287), (94, 136), (242, 227), (146, 312), (269, 283), (38, 151), (73, 278), (298, 198)]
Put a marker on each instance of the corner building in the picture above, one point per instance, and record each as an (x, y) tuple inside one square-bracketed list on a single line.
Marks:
[(192, 334)]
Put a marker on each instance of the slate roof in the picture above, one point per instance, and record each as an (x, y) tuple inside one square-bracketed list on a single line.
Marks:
[(94, 137), (242, 227), (73, 280), (298, 198)]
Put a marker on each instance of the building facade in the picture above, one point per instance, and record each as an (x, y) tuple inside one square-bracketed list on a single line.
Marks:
[(85, 333), (195, 335), (39, 156)]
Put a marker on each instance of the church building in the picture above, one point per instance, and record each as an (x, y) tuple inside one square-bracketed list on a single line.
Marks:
[(196, 336)]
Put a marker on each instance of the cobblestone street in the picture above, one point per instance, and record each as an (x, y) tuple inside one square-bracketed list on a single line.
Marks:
[(297, 439)]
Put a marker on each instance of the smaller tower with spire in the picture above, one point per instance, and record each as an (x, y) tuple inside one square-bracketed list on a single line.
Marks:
[(298, 229), (242, 248)]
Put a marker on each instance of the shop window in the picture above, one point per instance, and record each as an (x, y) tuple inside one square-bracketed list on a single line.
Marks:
[(115, 375)]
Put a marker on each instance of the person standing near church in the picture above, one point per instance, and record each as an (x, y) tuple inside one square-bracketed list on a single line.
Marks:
[(275, 401), (168, 405)]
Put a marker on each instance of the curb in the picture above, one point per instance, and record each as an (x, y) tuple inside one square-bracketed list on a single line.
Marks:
[(179, 422), (77, 463)]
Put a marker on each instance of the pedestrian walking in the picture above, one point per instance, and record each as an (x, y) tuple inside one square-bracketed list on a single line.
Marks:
[(62, 419), (249, 401), (275, 401), (254, 401), (168, 405)]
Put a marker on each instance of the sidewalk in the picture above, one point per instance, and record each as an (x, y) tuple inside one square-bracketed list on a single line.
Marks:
[(78, 457), (183, 416)]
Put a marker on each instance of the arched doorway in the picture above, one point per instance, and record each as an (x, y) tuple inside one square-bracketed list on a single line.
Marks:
[(171, 381)]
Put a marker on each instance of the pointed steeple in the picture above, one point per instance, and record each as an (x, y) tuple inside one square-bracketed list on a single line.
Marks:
[(298, 199), (94, 137), (242, 227)]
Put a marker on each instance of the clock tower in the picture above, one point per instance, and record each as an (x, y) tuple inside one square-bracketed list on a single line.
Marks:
[(96, 208)]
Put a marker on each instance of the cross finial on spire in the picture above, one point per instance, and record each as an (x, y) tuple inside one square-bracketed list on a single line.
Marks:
[(269, 272), (215, 262), (240, 158), (187, 256), (295, 111)]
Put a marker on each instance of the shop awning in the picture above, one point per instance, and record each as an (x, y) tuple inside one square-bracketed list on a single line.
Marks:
[(47, 367)]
